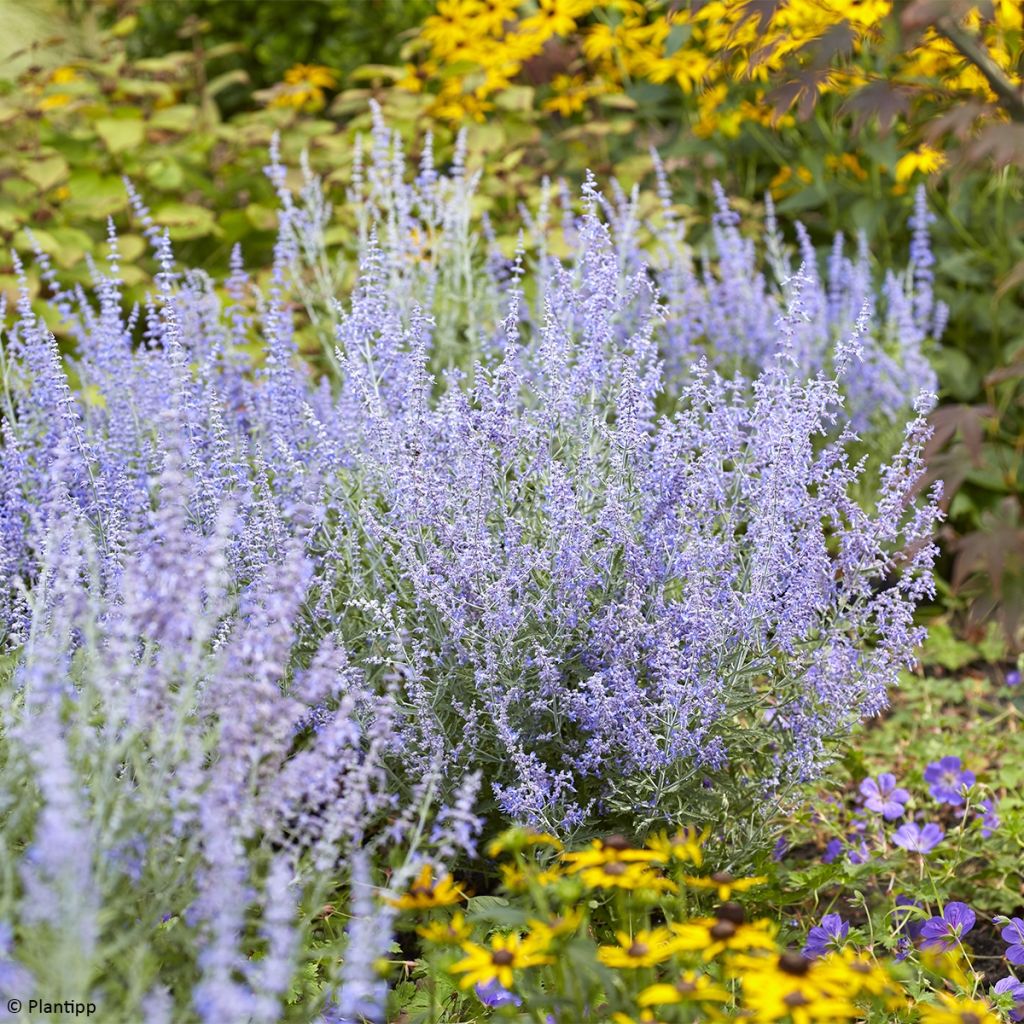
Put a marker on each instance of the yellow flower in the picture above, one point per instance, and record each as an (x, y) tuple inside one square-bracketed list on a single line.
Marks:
[(556, 17), (59, 99), (426, 892), (689, 988), (493, 14), (645, 949), (448, 29), (613, 850), (715, 935), (515, 879), (304, 86), (571, 94), (63, 75), (514, 840), (923, 159), (686, 845), (543, 933), (959, 1011), (507, 953), (854, 973), (792, 986), (447, 933), (724, 883), (618, 875)]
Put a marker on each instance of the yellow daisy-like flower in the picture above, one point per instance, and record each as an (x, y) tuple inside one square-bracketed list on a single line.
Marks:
[(613, 850), (712, 936), (304, 86), (723, 883), (515, 879), (556, 17), (959, 1011), (644, 949), (514, 840), (792, 986), (63, 75), (686, 845), (507, 953), (58, 99), (618, 875), (427, 892), (855, 973), (924, 159), (691, 987), (448, 28), (544, 933), (447, 933)]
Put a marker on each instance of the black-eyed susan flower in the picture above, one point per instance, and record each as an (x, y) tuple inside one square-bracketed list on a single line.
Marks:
[(791, 986), (506, 954), (452, 932), (686, 845), (959, 1011), (689, 987), (723, 883), (303, 87), (515, 840), (546, 932), (517, 879), (856, 973), (712, 936), (644, 949), (612, 850), (618, 875), (427, 892)]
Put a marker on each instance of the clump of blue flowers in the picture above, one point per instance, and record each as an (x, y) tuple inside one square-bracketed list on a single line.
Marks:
[(549, 540)]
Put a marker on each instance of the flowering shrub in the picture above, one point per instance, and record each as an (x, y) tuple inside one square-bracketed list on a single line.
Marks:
[(586, 558), (560, 552)]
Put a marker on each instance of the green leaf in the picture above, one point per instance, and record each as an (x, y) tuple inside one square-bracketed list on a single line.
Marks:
[(186, 220), (94, 196), (179, 118), (46, 173), (120, 134)]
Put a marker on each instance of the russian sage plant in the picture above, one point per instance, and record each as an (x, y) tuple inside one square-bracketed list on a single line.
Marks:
[(561, 541)]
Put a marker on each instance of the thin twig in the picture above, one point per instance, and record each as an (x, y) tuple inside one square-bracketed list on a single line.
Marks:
[(1010, 96)]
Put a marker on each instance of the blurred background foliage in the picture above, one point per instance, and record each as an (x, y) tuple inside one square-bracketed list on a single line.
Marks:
[(838, 108)]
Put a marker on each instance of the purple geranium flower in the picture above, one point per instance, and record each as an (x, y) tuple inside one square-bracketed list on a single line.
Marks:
[(948, 779), (904, 921), (884, 796), (1013, 934), (989, 818), (1015, 988), (1013, 679), (944, 932), (829, 934), (494, 994), (918, 839), (833, 848)]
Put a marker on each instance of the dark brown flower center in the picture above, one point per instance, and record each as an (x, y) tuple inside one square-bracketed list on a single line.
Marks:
[(722, 877), (723, 930), (685, 988), (615, 842), (796, 999), (794, 963), (731, 912), (502, 958), (615, 868), (970, 1018), (639, 949)]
